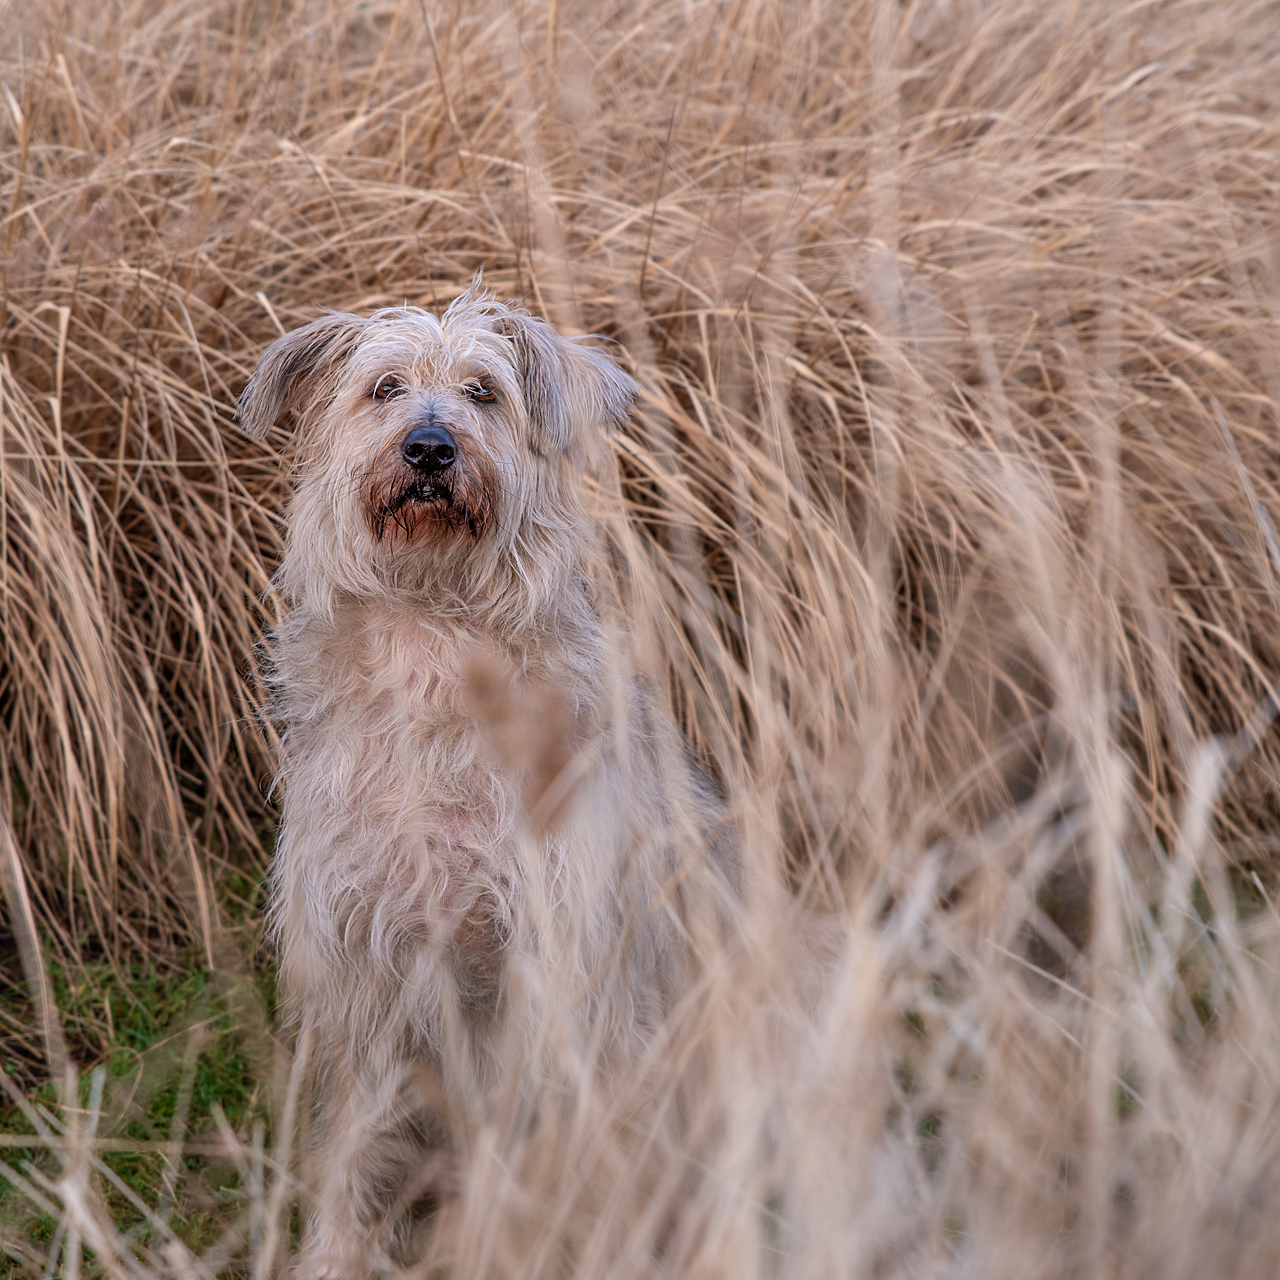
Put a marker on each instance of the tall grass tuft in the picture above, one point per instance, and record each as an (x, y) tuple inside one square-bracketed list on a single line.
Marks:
[(947, 516)]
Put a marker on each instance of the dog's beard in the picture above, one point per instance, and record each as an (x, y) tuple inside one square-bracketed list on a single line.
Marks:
[(402, 504)]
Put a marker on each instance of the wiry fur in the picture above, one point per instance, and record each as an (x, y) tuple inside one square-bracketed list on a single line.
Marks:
[(466, 780)]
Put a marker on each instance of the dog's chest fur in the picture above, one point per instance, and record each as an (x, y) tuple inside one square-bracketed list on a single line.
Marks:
[(400, 820)]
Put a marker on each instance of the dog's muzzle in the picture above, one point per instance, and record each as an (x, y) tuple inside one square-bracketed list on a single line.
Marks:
[(428, 450)]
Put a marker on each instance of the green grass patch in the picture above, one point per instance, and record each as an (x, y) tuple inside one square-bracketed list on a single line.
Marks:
[(173, 1045)]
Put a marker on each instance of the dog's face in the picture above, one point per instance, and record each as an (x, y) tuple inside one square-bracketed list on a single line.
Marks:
[(430, 445)]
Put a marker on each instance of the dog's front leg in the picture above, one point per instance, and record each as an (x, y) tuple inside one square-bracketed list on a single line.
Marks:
[(363, 1168)]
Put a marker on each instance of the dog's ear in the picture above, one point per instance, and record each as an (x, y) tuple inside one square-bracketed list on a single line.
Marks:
[(569, 387), (292, 366)]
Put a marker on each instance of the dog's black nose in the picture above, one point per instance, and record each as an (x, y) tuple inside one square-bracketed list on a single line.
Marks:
[(428, 449)]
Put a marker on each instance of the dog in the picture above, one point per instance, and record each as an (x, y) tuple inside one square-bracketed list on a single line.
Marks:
[(471, 778)]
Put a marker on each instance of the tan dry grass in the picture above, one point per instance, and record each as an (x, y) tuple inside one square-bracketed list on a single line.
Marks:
[(947, 510)]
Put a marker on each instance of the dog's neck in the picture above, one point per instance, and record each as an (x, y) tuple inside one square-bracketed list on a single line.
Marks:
[(316, 651)]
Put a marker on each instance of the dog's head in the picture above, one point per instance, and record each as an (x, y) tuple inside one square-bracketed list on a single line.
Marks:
[(434, 445)]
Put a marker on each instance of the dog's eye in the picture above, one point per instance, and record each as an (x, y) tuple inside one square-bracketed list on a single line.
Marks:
[(480, 393), (386, 388)]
